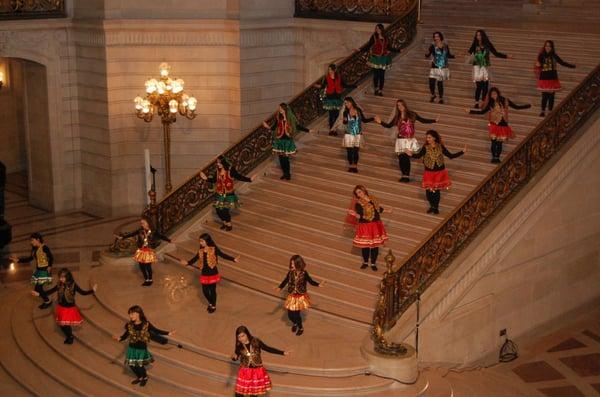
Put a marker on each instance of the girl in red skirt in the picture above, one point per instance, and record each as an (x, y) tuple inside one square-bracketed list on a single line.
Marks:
[(67, 313), (497, 108), (364, 213), (545, 68), (253, 379), (436, 175), (209, 253), (297, 299)]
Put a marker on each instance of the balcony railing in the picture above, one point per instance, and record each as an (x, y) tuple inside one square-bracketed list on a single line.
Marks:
[(356, 10), (30, 9)]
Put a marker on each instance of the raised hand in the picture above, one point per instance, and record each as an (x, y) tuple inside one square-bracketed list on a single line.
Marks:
[(377, 119), (287, 353), (183, 262), (35, 293), (203, 175), (267, 126), (465, 149), (115, 337), (171, 333), (237, 259)]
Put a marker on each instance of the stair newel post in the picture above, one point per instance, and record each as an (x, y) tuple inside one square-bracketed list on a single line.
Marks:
[(418, 295), (151, 211)]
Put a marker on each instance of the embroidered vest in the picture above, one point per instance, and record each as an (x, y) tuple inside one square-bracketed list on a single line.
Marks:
[(135, 336), (406, 128), (40, 257), (283, 128), (433, 156), (67, 292), (297, 282), (354, 125), (379, 47), (370, 206), (481, 57), (497, 113), (224, 183), (211, 256), (250, 356), (334, 86), (548, 63), (440, 56)]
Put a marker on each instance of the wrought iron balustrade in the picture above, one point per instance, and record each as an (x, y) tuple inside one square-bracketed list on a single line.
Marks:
[(357, 10), (32, 9)]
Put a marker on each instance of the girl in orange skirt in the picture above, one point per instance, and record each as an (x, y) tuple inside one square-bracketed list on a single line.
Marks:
[(436, 175), (67, 313), (364, 213), (497, 108), (297, 299), (147, 240), (252, 379)]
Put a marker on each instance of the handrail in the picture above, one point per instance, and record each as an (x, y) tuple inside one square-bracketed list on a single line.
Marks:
[(427, 261), (371, 11), (193, 195), (32, 9)]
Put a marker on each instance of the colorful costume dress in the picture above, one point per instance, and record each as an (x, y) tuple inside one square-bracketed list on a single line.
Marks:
[(370, 232), (436, 175), (405, 132), (146, 241), (548, 75), (353, 125), (379, 57), (297, 299), (139, 335), (253, 378), (209, 276), (43, 260), (498, 117), (481, 60), (225, 197), (332, 98), (439, 65), (284, 130), (67, 313)]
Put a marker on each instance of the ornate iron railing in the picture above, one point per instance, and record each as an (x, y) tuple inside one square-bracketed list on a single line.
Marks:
[(399, 287), (194, 194), (371, 10), (28, 9)]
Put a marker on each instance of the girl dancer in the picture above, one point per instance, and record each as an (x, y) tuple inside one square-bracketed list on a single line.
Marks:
[(225, 197), (497, 108), (439, 52), (436, 175), (252, 379), (139, 331), (297, 299), (481, 49), (67, 313), (209, 277), (548, 82), (404, 121), (352, 118), (364, 213), (332, 102), (147, 239), (43, 266), (379, 59), (284, 128)]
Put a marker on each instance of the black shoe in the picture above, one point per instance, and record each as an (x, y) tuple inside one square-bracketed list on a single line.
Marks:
[(228, 228), (333, 133), (300, 331), (294, 328), (349, 169), (136, 381), (374, 268), (288, 177), (436, 211), (430, 210), (355, 170), (380, 93), (145, 283), (282, 177), (364, 266), (143, 381), (223, 227), (496, 160), (404, 179), (432, 98), (45, 305), (68, 340), (150, 282), (211, 309), (441, 101), (476, 106), (542, 114)]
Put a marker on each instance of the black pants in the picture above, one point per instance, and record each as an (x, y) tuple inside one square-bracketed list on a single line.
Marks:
[(496, 148), (284, 162), (224, 214), (242, 395), (352, 154), (440, 87), (333, 115), (146, 269), (404, 164), (434, 198), (210, 293), (40, 290), (67, 330), (481, 90), (547, 100), (1, 201), (140, 372), (378, 78), (295, 317), (372, 253)]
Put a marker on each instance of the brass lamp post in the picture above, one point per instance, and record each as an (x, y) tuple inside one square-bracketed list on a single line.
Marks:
[(166, 98)]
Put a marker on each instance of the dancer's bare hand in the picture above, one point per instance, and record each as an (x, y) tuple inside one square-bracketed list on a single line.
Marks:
[(287, 353), (14, 258), (267, 126), (465, 149), (237, 259), (35, 293), (115, 337), (203, 175), (277, 289), (95, 288), (322, 283), (377, 119), (183, 262), (171, 333)]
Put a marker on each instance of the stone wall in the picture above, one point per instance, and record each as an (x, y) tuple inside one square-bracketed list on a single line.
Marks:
[(535, 261), (13, 151)]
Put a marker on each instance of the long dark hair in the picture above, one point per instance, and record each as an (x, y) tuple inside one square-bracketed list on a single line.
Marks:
[(333, 67), (225, 162), (298, 262), (149, 222), (285, 108), (552, 51), (382, 29), (438, 33), (69, 280), (242, 329), (485, 41), (435, 135), (137, 309), (354, 105), (208, 239), (359, 187), (37, 236), (501, 100), (410, 115)]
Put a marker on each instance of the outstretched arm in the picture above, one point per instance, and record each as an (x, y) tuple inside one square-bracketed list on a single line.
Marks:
[(518, 107)]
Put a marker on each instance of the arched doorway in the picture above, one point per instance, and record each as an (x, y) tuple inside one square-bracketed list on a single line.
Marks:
[(25, 130)]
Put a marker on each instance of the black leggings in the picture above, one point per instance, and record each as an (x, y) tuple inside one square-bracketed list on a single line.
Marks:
[(333, 115), (40, 290), (146, 269), (284, 162), (224, 214), (245, 395), (295, 317), (67, 330), (440, 87), (352, 154), (140, 372), (496, 148), (481, 90), (404, 164), (370, 253), (434, 198), (547, 100), (378, 78), (210, 293)]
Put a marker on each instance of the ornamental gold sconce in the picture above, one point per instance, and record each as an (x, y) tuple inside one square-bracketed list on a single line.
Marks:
[(165, 97), (1, 79)]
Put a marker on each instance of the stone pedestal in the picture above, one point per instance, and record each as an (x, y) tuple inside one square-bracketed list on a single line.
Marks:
[(403, 368)]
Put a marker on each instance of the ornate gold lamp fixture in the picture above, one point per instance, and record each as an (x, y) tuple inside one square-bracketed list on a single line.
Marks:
[(165, 97), (1, 79)]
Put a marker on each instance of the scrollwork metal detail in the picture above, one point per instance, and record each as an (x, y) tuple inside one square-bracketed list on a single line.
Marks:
[(25, 9), (357, 10)]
